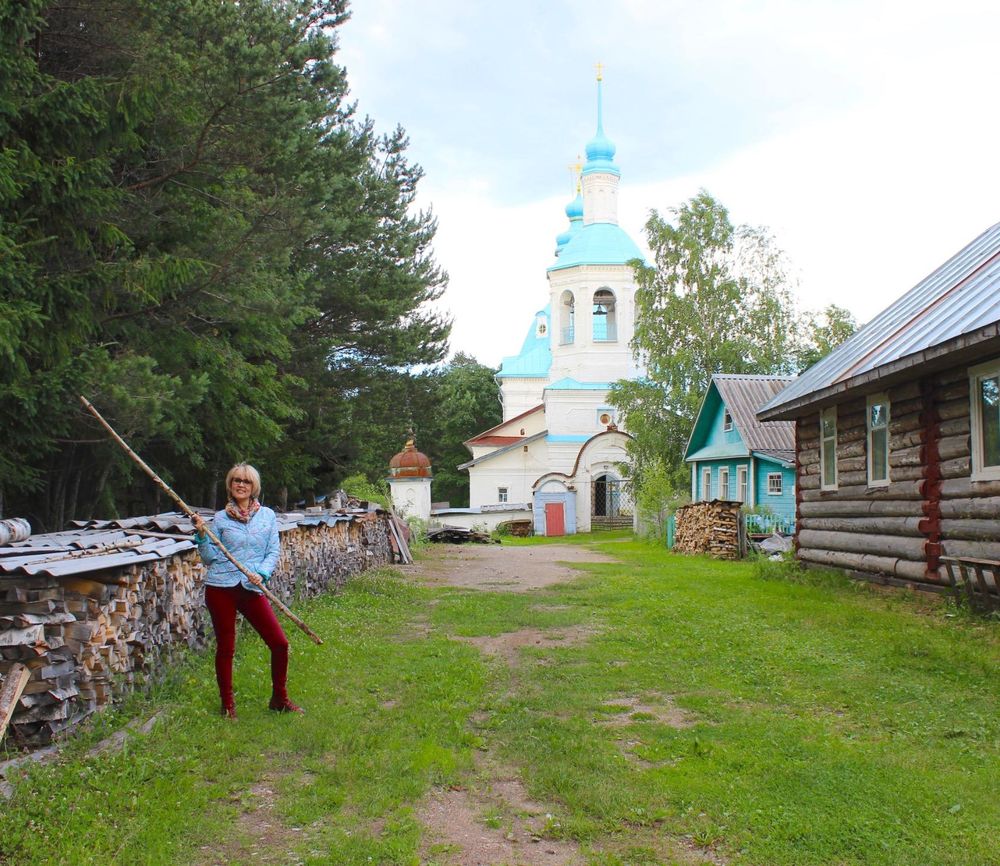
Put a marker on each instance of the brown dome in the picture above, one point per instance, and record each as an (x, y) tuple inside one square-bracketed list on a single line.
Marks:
[(410, 463)]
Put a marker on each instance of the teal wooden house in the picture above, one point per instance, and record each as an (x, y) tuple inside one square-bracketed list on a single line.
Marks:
[(734, 456)]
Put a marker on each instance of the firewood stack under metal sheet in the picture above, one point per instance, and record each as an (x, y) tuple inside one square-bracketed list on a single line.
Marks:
[(102, 608)]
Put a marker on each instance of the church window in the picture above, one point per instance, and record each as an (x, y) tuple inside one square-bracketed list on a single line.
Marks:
[(567, 311), (604, 320), (501, 494)]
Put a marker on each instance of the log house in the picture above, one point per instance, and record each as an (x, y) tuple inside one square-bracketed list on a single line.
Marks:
[(897, 432)]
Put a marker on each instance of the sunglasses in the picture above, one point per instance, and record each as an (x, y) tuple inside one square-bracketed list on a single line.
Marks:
[(242, 481)]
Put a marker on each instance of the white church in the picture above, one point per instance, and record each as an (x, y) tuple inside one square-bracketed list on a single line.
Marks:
[(556, 457)]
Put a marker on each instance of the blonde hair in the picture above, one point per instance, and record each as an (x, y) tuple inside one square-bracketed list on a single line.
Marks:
[(244, 470)]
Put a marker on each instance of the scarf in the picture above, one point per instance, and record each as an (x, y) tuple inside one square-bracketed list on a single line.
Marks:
[(242, 515)]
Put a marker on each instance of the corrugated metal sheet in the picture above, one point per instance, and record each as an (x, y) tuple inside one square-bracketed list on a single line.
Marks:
[(98, 545), (743, 396), (961, 297)]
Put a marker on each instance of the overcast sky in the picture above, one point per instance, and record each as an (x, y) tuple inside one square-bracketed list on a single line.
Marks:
[(865, 135)]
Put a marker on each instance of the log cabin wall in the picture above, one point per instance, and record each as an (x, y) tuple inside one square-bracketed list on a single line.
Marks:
[(930, 508), (90, 639)]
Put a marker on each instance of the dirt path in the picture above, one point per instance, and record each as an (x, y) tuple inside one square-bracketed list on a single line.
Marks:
[(499, 568), (492, 821)]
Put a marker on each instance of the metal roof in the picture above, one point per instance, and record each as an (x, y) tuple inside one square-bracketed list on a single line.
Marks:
[(955, 307), (98, 545), (743, 396)]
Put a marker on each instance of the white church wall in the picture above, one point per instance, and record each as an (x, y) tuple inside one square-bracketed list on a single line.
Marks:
[(519, 395), (516, 471), (411, 497)]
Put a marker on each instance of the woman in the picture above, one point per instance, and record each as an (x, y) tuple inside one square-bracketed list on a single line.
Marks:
[(249, 531)]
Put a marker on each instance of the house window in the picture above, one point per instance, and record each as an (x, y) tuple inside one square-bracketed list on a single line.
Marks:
[(741, 484), (984, 382), (724, 484), (878, 440), (501, 494), (727, 420), (828, 449), (774, 483), (706, 484)]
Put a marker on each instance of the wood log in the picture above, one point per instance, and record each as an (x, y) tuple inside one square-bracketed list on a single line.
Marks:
[(864, 562), (971, 549), (966, 488), (950, 376), (960, 467), (866, 525), (850, 449), (852, 508), (907, 457), (954, 427), (950, 447), (951, 409), (853, 464), (907, 439), (905, 391), (902, 408), (906, 424), (852, 478), (986, 507), (907, 473), (808, 456), (851, 436), (877, 545), (900, 490), (13, 686), (956, 390), (971, 529), (809, 481)]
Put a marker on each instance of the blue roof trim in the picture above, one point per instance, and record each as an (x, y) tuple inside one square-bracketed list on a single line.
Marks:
[(598, 244), (569, 384), (567, 438), (718, 452)]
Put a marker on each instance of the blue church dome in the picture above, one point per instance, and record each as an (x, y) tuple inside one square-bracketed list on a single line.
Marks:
[(600, 149)]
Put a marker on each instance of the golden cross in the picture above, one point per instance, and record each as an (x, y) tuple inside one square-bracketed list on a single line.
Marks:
[(600, 71)]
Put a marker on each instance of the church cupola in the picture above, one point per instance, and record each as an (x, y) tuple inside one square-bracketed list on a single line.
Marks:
[(574, 212), (600, 174)]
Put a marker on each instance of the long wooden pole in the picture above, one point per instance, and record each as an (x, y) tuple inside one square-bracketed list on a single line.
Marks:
[(253, 578)]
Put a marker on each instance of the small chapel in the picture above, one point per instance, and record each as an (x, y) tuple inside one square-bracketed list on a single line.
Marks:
[(558, 453)]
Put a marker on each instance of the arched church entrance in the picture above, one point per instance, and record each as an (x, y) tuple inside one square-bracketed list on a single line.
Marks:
[(608, 503)]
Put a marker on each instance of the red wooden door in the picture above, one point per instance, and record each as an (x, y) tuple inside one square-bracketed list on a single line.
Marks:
[(555, 518)]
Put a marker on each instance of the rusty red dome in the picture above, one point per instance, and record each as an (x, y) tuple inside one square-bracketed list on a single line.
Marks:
[(410, 463)]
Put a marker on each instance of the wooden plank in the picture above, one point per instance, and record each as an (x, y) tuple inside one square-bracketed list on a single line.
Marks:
[(13, 686)]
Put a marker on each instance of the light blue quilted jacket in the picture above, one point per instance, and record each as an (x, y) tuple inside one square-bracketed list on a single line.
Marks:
[(255, 544)]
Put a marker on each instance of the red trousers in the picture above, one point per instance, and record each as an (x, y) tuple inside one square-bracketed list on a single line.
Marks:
[(223, 603)]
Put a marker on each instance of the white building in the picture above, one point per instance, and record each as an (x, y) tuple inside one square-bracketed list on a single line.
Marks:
[(558, 450)]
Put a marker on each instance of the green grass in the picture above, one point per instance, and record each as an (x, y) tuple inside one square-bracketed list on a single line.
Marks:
[(824, 723)]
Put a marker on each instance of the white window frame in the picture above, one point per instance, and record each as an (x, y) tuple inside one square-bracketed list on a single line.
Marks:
[(824, 482), (502, 494), (706, 484), (989, 370), (724, 483), (727, 420), (771, 476), (742, 484), (872, 400)]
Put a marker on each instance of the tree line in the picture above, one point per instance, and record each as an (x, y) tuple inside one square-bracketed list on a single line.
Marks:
[(200, 233), (717, 298)]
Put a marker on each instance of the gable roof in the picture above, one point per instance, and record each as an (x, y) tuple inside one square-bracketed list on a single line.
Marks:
[(526, 440), (743, 395), (954, 309), (495, 432)]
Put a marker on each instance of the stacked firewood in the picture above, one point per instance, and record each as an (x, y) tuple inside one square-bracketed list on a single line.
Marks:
[(716, 528), (90, 637)]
